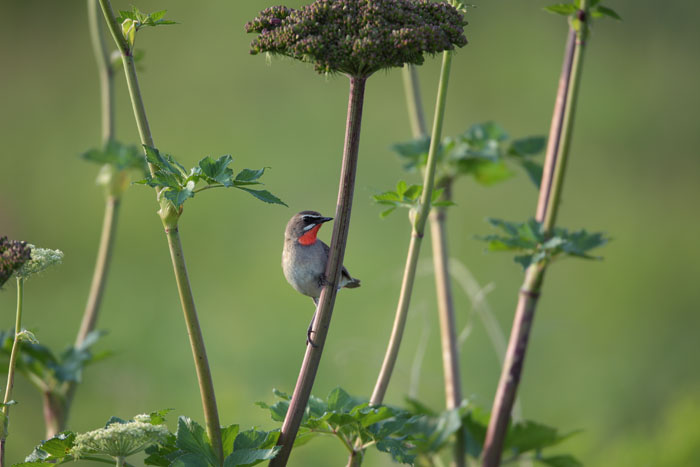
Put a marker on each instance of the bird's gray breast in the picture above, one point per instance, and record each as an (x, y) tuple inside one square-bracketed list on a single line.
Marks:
[(303, 266)]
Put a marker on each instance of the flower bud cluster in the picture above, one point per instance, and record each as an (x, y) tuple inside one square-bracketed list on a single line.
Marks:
[(41, 259), (13, 254), (359, 37), (120, 439)]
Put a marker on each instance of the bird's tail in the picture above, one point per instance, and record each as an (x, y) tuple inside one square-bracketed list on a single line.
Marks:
[(352, 283)]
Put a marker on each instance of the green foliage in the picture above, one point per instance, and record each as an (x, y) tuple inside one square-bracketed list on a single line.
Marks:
[(47, 370), (191, 446), (52, 451), (594, 9), (178, 184), (417, 432), (481, 151), (528, 238), (351, 420), (133, 20), (407, 196), (118, 155)]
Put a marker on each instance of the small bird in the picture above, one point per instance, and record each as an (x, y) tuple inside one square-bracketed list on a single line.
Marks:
[(304, 259)]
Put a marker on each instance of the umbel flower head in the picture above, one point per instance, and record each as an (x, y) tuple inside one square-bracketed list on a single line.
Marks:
[(121, 439), (13, 254), (41, 259), (359, 37)]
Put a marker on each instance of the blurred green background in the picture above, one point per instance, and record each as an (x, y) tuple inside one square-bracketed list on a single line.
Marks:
[(614, 350)]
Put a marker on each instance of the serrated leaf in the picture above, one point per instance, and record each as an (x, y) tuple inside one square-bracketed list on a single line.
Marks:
[(249, 439), (562, 8), (192, 439), (609, 12), (264, 195), (217, 171), (228, 436), (397, 449), (246, 457), (533, 170), (401, 188), (179, 196), (384, 214), (339, 400), (190, 459), (529, 146), (413, 192), (249, 175)]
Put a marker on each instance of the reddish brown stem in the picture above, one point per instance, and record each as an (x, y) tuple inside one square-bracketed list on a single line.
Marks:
[(312, 358)]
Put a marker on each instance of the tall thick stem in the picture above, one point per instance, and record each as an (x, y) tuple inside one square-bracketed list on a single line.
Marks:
[(169, 218), (421, 217), (548, 204), (199, 351), (312, 358), (11, 368)]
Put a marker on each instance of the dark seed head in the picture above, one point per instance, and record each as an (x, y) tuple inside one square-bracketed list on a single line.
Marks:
[(359, 37)]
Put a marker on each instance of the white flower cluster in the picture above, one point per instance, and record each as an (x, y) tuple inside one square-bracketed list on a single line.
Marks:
[(121, 439), (41, 259)]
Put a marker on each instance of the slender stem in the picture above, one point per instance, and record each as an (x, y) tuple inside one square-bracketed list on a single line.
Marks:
[(57, 406), (448, 325), (120, 461), (169, 218), (104, 68), (199, 352), (548, 204), (11, 367), (99, 278), (312, 358), (416, 238), (446, 312), (414, 101)]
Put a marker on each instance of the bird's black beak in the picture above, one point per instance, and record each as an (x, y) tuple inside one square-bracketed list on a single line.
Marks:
[(324, 219)]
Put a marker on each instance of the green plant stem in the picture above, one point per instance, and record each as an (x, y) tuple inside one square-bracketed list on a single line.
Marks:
[(548, 204), (170, 219), (355, 459), (120, 461), (312, 358), (418, 229), (57, 403), (194, 331), (414, 101), (446, 312), (11, 367), (104, 68)]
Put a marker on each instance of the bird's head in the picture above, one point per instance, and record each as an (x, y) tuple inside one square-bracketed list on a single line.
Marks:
[(303, 227)]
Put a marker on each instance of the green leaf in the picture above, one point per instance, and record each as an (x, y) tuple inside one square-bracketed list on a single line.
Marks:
[(533, 170), (397, 449), (179, 196), (562, 8), (384, 214), (246, 457), (51, 450), (485, 133), (228, 435), (217, 171), (532, 436), (190, 459), (248, 175), (529, 146), (609, 12), (264, 195), (414, 153), (192, 439), (339, 400)]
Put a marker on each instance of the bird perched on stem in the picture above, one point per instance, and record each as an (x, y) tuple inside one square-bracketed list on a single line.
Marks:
[(304, 259)]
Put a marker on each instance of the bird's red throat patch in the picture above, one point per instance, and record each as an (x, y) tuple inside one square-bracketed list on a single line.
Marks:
[(309, 238)]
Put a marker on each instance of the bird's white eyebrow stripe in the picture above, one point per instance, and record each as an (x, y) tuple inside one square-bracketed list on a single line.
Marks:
[(309, 227)]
